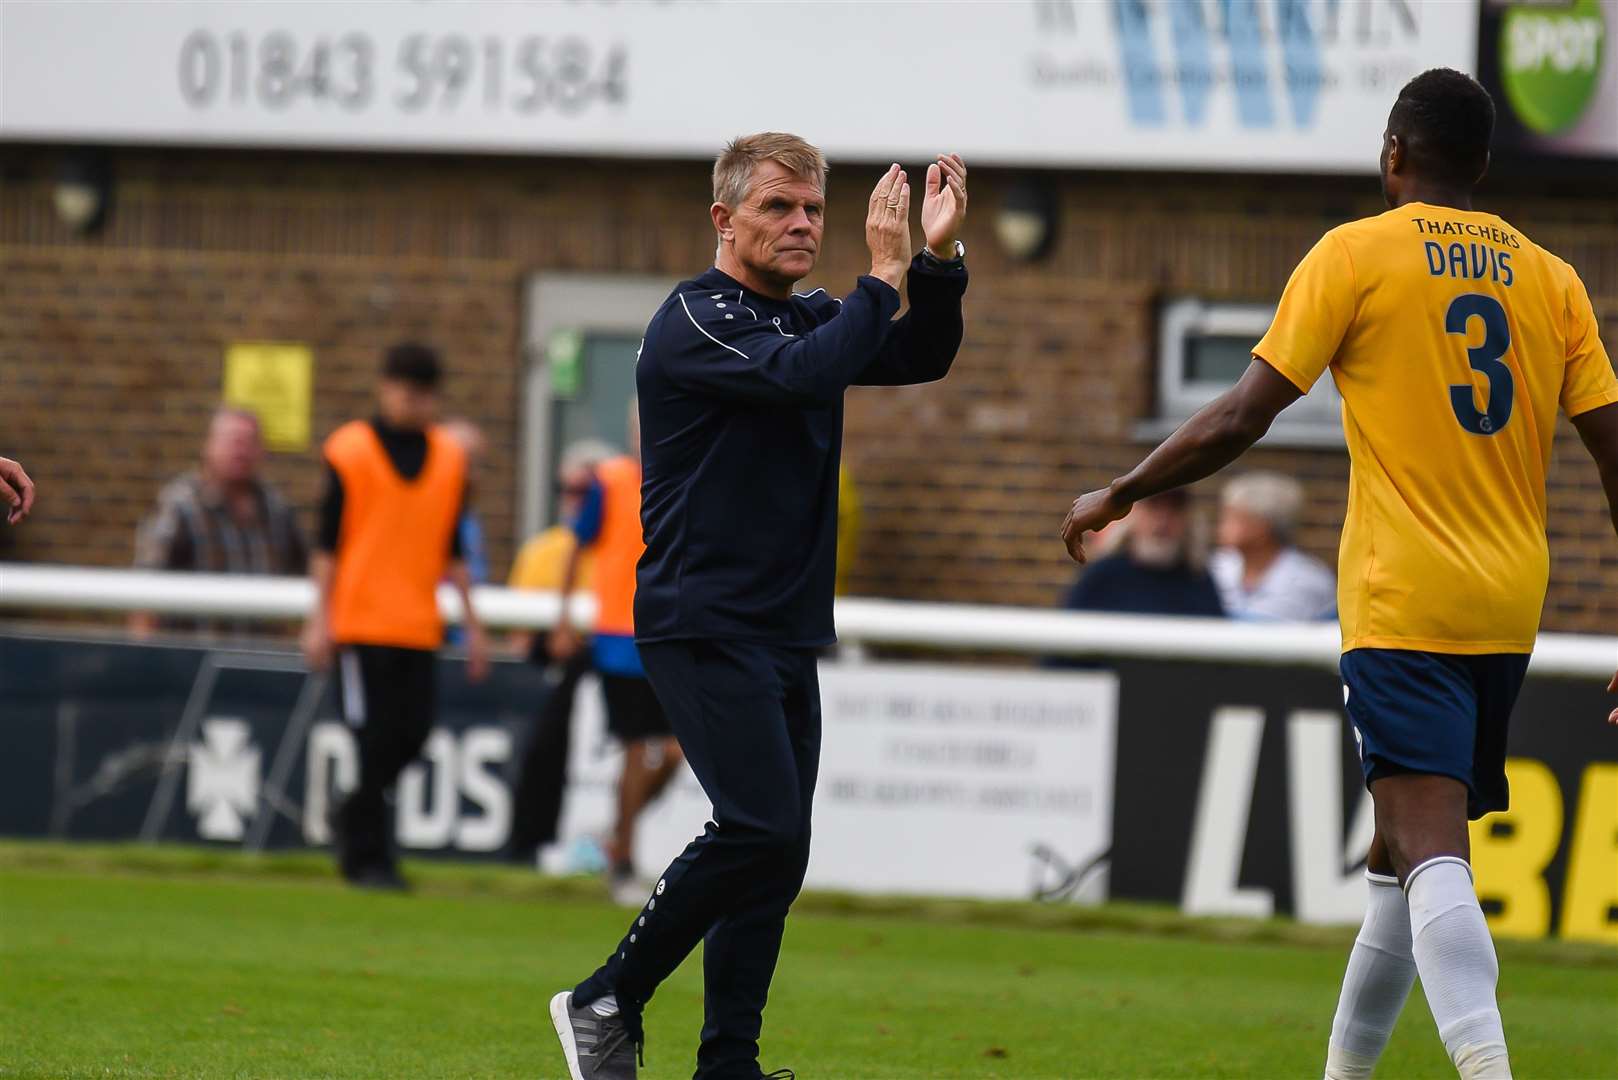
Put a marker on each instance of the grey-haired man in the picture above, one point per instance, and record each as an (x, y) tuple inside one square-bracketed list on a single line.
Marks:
[(741, 386)]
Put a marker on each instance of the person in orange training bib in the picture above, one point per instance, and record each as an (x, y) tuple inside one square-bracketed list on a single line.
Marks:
[(607, 525), (395, 488)]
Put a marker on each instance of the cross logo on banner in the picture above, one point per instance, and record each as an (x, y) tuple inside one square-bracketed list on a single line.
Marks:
[(223, 779)]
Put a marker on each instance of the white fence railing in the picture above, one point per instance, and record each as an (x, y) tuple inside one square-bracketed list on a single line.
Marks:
[(975, 627)]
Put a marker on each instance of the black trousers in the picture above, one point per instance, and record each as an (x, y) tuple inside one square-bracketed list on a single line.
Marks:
[(388, 699), (542, 776), (748, 718)]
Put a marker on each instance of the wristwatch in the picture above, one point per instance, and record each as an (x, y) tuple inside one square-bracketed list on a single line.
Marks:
[(936, 263)]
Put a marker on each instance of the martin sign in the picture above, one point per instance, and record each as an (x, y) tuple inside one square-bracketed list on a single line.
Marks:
[(1301, 85)]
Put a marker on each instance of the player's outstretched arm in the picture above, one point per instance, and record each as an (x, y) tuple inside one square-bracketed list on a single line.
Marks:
[(1599, 430), (1216, 436)]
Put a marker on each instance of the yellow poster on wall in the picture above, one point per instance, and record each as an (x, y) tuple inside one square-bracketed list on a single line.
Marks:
[(273, 380)]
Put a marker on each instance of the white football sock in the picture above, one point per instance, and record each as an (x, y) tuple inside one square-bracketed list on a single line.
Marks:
[(1459, 970), (1379, 976), (606, 1006)]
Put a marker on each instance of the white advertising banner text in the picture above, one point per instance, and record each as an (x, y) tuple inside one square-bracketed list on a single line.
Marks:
[(1302, 85), (934, 781)]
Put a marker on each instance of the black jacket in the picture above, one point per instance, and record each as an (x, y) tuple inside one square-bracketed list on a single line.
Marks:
[(741, 407)]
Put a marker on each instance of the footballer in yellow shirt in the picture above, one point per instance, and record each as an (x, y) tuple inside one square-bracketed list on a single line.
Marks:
[(1454, 339)]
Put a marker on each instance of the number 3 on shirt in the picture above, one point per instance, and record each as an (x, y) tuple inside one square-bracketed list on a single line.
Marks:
[(1485, 358)]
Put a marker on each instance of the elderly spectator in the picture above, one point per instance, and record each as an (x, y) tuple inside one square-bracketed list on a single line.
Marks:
[(222, 517), (1260, 574), (1153, 569)]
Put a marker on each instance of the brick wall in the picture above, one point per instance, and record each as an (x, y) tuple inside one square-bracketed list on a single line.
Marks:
[(110, 346)]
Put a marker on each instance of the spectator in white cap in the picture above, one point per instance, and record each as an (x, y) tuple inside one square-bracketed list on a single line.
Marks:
[(1260, 573)]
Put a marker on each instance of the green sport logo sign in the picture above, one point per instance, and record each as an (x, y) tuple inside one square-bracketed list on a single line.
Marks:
[(1550, 62)]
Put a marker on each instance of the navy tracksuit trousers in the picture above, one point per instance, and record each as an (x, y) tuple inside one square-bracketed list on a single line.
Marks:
[(748, 718)]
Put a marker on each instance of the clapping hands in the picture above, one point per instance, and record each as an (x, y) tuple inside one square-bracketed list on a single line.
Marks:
[(887, 220), (943, 206)]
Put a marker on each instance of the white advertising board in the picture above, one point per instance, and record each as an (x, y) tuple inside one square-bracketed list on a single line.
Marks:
[(934, 781), (1227, 84)]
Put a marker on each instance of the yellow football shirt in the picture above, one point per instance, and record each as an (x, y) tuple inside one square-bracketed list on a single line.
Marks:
[(542, 562), (1452, 338)]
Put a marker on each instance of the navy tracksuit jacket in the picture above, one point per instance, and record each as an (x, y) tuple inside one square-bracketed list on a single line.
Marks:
[(741, 408)]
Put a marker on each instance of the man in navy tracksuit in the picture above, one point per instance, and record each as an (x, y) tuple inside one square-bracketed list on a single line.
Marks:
[(741, 387)]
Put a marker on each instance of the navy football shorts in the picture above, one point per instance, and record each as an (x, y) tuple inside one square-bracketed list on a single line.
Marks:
[(1438, 713)]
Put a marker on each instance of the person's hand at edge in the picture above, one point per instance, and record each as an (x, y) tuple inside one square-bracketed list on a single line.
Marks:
[(17, 489)]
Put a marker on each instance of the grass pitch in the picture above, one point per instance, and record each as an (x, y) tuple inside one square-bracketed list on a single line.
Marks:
[(178, 963)]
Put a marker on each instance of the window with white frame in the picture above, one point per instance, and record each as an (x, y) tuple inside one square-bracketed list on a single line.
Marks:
[(1203, 348)]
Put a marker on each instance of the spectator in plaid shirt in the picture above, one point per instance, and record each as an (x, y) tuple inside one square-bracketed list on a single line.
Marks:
[(221, 517)]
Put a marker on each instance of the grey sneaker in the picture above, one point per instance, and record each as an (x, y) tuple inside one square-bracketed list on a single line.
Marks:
[(596, 1047)]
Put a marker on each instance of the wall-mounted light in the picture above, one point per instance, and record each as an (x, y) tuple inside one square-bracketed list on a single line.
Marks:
[(1026, 221), (83, 192)]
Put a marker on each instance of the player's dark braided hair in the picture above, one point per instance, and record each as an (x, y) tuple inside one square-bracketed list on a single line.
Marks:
[(1445, 119)]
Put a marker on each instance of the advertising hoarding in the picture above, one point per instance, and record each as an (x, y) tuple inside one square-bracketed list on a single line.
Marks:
[(1265, 85), (1552, 69)]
